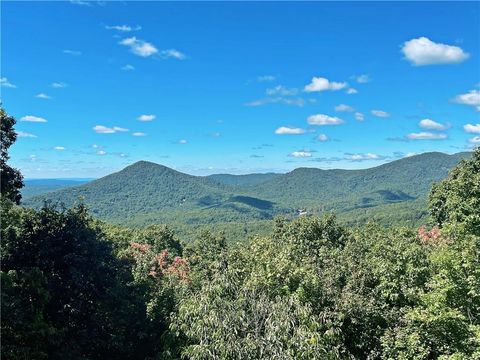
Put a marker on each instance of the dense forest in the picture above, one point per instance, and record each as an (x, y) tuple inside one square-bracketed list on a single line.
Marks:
[(76, 287)]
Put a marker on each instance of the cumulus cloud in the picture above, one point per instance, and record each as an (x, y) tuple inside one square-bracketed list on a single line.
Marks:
[(281, 90), (43, 96), (24, 134), (101, 152), (286, 130), (426, 136), (274, 100), (123, 28), (380, 113), (31, 118), (351, 91), (139, 134), (58, 85), (173, 54), (59, 148), (128, 67), (139, 47), (364, 78), (363, 157), (5, 83), (149, 117), (470, 128), (300, 154), (431, 125), (72, 52), (323, 84), (322, 137), (182, 142), (423, 51), (100, 129), (359, 116), (344, 108), (472, 98), (80, 2), (322, 119), (474, 140)]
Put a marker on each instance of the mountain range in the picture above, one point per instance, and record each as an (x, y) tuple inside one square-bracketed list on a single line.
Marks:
[(145, 193)]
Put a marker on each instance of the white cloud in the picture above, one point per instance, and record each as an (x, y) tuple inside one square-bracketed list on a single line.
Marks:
[(344, 108), (183, 142), (265, 78), (139, 134), (431, 125), (145, 117), (469, 128), (25, 134), (80, 2), (5, 83), (361, 157), (474, 140), (281, 90), (323, 84), (285, 130), (139, 47), (95, 146), (426, 136), (359, 116), (352, 91), (322, 119), (274, 100), (72, 52), (472, 98), (364, 78), (173, 53), (43, 96), (58, 85), (123, 28), (322, 137), (380, 113), (59, 148), (128, 67), (300, 154), (100, 129), (31, 118), (101, 152), (423, 51)]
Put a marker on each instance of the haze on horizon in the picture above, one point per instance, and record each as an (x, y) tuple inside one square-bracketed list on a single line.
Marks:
[(97, 86)]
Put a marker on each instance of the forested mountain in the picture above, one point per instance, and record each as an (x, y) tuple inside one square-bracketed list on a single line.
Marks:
[(145, 193), (243, 180)]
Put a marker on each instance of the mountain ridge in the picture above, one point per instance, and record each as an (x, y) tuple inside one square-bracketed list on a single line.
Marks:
[(146, 192)]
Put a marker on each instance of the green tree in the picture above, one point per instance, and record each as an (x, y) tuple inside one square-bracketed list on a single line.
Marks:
[(456, 200), (11, 179)]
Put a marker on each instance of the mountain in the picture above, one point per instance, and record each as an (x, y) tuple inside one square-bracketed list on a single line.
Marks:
[(242, 180), (145, 193), (40, 186)]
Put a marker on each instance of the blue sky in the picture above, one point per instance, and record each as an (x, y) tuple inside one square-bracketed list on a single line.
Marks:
[(237, 87)]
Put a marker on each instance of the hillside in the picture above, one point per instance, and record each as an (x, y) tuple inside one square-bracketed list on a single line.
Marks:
[(242, 180), (145, 193)]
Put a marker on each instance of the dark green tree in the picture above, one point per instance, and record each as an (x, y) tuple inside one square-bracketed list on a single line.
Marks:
[(456, 200), (11, 179)]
